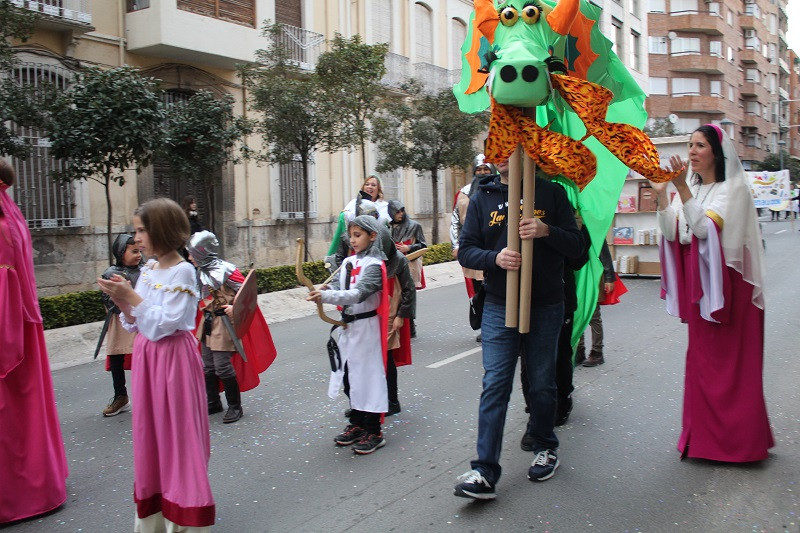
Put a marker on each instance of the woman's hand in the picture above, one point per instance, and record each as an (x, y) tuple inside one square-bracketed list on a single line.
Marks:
[(608, 287), (404, 248), (119, 289), (397, 323), (314, 296), (533, 228)]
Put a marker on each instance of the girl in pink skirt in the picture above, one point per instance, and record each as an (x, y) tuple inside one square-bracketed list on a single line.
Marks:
[(171, 444)]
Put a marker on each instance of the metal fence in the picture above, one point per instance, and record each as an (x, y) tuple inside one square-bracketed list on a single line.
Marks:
[(290, 182), (303, 46), (76, 10), (44, 202)]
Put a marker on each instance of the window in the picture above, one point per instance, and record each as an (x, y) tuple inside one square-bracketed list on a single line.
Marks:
[(729, 18), (713, 8), (753, 10), (458, 33), (237, 11), (752, 75), (636, 8), (687, 124), (685, 46), (44, 202), (290, 183), (425, 192), (382, 21), (657, 45), (683, 7), (423, 24), (685, 87), (392, 184), (752, 108), (656, 6), (658, 86), (715, 48), (136, 5), (636, 59), (716, 88), (730, 54), (619, 38), (731, 93)]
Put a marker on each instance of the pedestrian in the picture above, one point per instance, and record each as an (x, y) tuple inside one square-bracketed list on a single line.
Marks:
[(713, 279), (481, 170), (483, 247), (219, 283), (408, 237), (402, 306), (361, 289), (171, 445), (33, 465), (596, 322), (119, 342), (190, 208)]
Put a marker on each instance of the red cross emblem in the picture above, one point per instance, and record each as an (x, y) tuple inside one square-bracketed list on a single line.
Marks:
[(354, 274)]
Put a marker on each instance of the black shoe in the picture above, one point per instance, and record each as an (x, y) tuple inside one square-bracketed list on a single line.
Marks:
[(543, 466), (563, 410), (473, 485), (369, 443), (350, 435), (478, 338), (347, 413), (394, 408), (234, 398), (527, 442)]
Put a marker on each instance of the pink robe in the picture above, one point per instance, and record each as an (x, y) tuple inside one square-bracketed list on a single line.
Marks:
[(724, 412), (33, 465)]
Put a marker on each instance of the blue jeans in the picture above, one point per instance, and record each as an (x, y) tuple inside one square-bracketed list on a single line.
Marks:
[(501, 348)]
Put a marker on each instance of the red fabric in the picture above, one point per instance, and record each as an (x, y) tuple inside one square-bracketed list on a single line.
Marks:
[(126, 365), (470, 288), (261, 352), (612, 298), (184, 516), (236, 276), (383, 314), (724, 411), (422, 283)]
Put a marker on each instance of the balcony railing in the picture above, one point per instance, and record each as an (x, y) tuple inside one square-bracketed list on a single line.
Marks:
[(433, 78), (73, 10), (304, 47), (398, 70)]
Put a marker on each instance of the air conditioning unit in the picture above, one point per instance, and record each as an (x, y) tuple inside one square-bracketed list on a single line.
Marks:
[(749, 34)]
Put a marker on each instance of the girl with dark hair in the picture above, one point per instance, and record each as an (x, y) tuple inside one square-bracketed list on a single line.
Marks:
[(189, 205), (33, 466), (171, 445), (713, 279)]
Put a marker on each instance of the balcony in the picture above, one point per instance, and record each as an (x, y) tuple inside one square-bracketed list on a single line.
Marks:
[(433, 78), (784, 66), (783, 93), (697, 22), (750, 55), (689, 62), (61, 15), (697, 104), (398, 70), (215, 38)]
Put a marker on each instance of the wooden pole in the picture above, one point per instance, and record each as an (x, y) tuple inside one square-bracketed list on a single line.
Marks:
[(514, 198), (526, 266)]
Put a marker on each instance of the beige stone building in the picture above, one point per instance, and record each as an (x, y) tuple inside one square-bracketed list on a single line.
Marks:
[(724, 62), (195, 44)]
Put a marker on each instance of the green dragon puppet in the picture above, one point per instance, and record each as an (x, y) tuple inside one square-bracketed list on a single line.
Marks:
[(588, 109)]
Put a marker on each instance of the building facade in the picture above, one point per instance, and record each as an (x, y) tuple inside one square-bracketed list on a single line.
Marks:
[(724, 62), (196, 44)]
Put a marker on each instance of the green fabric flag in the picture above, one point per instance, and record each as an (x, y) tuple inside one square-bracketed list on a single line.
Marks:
[(337, 234)]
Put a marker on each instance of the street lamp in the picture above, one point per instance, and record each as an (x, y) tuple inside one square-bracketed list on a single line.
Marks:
[(727, 124), (781, 144)]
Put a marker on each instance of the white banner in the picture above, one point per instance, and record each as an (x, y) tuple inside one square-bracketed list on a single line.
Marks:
[(770, 189)]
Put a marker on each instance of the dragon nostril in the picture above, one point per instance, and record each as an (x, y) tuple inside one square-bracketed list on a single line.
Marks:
[(508, 73), (530, 73)]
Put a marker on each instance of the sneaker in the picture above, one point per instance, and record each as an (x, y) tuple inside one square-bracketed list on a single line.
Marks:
[(543, 466), (473, 485), (527, 443), (350, 435), (369, 443), (116, 406)]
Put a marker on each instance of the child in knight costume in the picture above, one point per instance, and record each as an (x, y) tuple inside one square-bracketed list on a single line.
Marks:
[(361, 289), (119, 345), (220, 281)]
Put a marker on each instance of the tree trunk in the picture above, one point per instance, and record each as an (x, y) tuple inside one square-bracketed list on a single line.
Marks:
[(209, 191), (306, 194), (107, 185), (435, 208), (363, 160)]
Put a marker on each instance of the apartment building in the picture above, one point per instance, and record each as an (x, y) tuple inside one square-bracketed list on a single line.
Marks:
[(624, 23), (195, 44), (792, 123), (724, 62)]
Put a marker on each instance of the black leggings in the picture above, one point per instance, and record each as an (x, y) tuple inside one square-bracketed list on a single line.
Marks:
[(116, 364)]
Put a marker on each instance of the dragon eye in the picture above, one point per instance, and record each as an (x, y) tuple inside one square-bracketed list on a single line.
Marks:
[(509, 16), (530, 14)]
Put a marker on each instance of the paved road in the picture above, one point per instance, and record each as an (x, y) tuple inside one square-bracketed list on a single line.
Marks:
[(278, 469)]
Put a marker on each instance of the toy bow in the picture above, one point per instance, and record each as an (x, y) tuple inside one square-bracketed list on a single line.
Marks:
[(301, 277)]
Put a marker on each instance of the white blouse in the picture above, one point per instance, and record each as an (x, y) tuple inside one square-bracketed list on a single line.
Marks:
[(383, 211), (169, 301), (691, 215)]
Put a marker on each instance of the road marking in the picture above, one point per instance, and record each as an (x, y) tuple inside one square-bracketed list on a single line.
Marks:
[(781, 231), (455, 357)]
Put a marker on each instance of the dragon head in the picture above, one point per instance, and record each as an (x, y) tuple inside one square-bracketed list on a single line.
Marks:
[(527, 40)]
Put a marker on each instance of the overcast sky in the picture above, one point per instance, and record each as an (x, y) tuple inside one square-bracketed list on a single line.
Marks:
[(793, 35)]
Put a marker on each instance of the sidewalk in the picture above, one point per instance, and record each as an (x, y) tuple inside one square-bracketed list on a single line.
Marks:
[(75, 345)]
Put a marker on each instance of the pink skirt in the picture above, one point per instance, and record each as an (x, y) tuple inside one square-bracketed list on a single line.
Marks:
[(171, 443)]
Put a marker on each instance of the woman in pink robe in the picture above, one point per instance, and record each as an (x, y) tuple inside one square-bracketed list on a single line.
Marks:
[(33, 466), (712, 267)]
